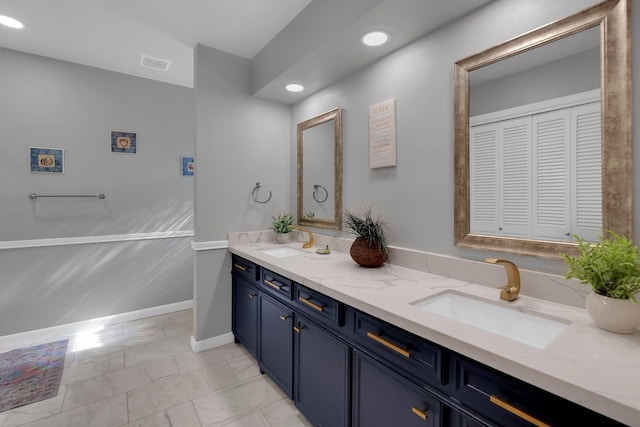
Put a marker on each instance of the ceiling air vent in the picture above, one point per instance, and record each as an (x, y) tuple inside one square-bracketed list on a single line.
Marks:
[(155, 63)]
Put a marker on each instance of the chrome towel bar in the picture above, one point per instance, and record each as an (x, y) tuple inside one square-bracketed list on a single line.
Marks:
[(34, 196)]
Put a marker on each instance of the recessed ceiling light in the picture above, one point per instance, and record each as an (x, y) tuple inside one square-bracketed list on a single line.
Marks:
[(10, 22), (294, 87), (375, 38)]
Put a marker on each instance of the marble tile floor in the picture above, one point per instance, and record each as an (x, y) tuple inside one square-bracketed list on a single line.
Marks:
[(143, 373)]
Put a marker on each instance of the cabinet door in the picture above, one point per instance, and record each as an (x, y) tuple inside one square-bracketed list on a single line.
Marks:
[(245, 314), (383, 398), (276, 342), (322, 375)]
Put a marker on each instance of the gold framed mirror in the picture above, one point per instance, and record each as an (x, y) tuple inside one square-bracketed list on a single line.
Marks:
[(320, 170), (612, 19)]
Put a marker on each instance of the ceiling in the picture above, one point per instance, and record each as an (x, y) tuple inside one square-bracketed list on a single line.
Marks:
[(315, 42)]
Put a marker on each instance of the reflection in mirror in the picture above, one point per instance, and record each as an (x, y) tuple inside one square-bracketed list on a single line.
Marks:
[(320, 170), (523, 181), (564, 67), (317, 179), (535, 142)]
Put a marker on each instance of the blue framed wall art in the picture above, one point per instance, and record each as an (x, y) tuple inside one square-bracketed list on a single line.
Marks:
[(46, 160)]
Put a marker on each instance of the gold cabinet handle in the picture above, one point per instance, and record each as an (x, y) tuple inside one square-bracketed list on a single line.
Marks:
[(422, 414), (297, 329), (284, 317), (517, 412), (252, 295), (388, 344), (273, 285), (311, 304), (240, 267)]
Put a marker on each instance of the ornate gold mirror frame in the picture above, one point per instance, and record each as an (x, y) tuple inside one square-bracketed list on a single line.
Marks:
[(336, 222), (613, 18)]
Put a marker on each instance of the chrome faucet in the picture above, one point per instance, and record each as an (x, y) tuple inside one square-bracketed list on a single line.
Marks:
[(308, 244), (510, 291)]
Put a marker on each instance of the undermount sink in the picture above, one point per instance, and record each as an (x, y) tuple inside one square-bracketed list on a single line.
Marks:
[(281, 252), (528, 328)]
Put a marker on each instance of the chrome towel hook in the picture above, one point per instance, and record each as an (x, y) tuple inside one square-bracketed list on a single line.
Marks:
[(315, 193), (253, 194)]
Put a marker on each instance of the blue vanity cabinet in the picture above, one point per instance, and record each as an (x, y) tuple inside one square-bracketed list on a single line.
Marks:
[(276, 342), (322, 375), (344, 367), (383, 398)]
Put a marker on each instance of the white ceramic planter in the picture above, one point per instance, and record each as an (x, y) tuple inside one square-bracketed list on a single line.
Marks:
[(612, 314), (282, 237)]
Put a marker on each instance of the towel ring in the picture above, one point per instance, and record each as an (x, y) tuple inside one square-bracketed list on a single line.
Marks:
[(315, 193), (253, 194)]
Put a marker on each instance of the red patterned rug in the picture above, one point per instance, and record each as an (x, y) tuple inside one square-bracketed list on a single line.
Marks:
[(31, 374)]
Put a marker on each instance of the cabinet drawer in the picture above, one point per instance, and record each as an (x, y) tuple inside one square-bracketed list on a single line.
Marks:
[(276, 285), (245, 269), (418, 357), (319, 306), (513, 402)]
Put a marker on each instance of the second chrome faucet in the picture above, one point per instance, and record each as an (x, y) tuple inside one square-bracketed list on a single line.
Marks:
[(510, 291)]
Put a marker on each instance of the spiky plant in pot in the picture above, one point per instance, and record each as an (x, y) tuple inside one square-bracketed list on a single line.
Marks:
[(370, 247)]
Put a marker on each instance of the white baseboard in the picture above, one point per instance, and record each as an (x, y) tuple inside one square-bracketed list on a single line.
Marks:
[(42, 335), (209, 343)]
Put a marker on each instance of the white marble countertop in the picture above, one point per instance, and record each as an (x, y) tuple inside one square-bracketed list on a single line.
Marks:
[(597, 369)]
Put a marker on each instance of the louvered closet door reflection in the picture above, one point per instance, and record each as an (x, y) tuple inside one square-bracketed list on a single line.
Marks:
[(501, 178), (551, 175), (586, 145), (516, 177), (483, 185)]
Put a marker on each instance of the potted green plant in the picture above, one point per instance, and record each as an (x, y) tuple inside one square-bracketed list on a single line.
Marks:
[(282, 225), (370, 247), (611, 267)]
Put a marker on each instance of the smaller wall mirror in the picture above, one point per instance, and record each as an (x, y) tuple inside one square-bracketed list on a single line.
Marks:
[(320, 170)]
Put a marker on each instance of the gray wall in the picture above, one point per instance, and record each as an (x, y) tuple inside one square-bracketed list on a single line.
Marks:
[(417, 195), (51, 103), (240, 141)]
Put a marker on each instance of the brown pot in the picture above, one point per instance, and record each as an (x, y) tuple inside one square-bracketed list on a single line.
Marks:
[(367, 255)]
